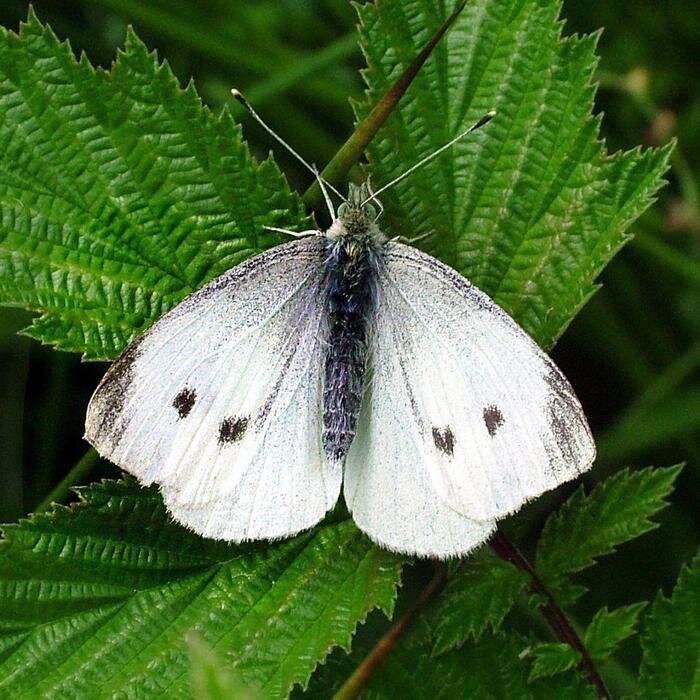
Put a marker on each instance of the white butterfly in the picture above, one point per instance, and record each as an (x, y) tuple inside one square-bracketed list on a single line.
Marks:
[(342, 360)]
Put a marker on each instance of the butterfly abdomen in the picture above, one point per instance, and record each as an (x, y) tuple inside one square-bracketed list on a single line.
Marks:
[(350, 280)]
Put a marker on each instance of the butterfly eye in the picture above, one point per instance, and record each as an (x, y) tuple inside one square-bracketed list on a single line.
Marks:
[(342, 210), (370, 211)]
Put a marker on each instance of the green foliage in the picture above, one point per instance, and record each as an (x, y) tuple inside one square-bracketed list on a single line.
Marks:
[(120, 192), (552, 658), (476, 596), (589, 526), (104, 593), (530, 208), (671, 663), (211, 680), (608, 629), (494, 666)]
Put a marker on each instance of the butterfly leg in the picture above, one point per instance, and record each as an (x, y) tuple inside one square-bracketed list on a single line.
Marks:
[(410, 241), (296, 234)]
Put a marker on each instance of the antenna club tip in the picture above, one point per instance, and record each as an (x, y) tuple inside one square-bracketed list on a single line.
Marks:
[(485, 119), (237, 94)]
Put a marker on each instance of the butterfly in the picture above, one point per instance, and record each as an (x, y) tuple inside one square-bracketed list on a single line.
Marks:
[(342, 360)]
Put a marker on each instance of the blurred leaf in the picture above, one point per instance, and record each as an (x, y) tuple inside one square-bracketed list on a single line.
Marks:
[(589, 526), (647, 429), (552, 658), (530, 208), (104, 593), (671, 641), (210, 679), (480, 594), (607, 629), (120, 192)]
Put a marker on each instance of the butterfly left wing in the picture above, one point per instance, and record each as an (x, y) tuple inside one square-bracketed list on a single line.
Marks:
[(496, 421), (219, 401)]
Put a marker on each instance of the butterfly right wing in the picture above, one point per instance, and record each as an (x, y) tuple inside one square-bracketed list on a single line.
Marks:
[(386, 486), (219, 401)]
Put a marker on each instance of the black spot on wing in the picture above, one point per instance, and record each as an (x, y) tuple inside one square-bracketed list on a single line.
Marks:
[(232, 429), (444, 440), (493, 419), (184, 402)]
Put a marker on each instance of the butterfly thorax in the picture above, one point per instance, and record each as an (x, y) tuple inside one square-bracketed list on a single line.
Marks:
[(354, 256)]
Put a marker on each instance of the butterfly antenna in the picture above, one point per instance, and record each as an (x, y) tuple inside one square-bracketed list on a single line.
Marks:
[(323, 184), (484, 120)]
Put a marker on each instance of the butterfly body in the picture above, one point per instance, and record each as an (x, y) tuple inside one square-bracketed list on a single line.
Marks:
[(354, 258)]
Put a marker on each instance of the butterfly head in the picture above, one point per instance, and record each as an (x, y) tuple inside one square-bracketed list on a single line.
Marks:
[(357, 216)]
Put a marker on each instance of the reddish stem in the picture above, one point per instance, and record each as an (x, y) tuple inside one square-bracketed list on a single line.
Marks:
[(557, 621)]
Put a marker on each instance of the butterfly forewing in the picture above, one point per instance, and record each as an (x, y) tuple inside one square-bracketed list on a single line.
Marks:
[(220, 401), (492, 420)]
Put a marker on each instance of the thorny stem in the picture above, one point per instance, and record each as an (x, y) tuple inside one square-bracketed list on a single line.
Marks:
[(360, 676), (552, 613), (349, 153)]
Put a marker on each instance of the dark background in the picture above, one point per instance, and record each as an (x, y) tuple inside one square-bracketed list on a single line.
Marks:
[(633, 354)]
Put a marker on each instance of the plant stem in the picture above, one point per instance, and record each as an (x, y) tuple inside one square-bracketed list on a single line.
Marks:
[(75, 476), (350, 152), (388, 641), (557, 621)]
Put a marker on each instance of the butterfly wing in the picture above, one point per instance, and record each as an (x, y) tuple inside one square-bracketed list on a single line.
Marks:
[(220, 401), (485, 415), (387, 486)]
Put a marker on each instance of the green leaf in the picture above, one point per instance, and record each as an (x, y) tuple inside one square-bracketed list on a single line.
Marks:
[(494, 666), (530, 207), (607, 629), (588, 526), (671, 641), (211, 680), (104, 593), (552, 658), (478, 595), (120, 193)]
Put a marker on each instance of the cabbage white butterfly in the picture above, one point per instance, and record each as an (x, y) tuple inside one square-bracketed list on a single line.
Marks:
[(342, 360)]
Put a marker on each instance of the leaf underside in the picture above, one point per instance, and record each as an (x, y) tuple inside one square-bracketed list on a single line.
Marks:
[(609, 628)]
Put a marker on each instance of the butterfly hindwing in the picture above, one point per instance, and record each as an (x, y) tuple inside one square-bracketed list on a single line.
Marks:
[(220, 401), (485, 413), (387, 486)]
